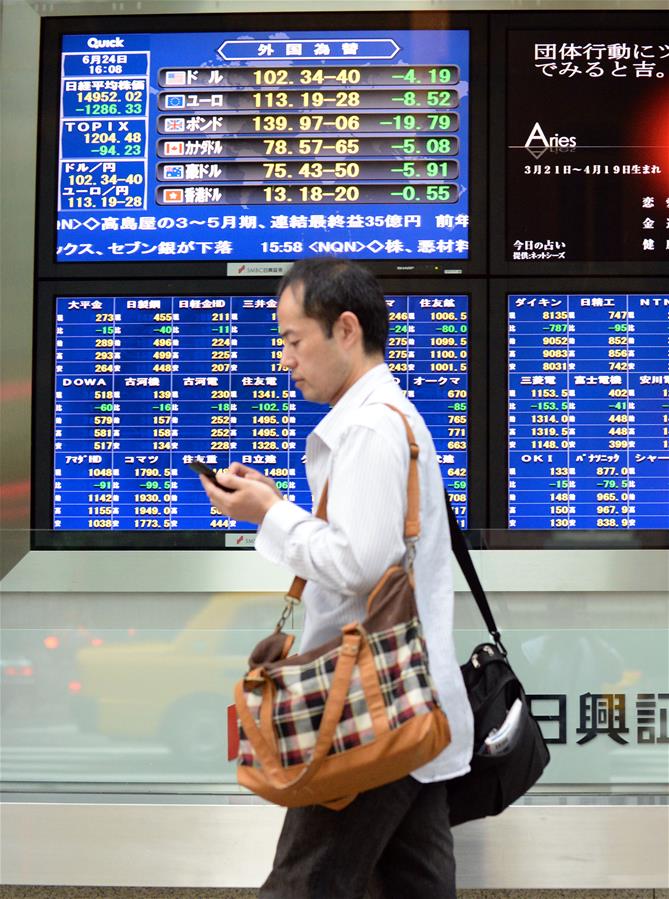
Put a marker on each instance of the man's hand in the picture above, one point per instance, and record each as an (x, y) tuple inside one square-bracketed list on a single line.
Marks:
[(245, 471), (251, 499)]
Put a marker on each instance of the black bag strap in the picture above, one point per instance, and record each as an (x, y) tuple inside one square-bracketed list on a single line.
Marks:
[(461, 553)]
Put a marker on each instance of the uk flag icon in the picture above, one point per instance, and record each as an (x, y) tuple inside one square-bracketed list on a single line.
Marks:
[(174, 124)]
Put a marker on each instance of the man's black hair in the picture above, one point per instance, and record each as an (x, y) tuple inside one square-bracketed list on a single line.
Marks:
[(332, 286)]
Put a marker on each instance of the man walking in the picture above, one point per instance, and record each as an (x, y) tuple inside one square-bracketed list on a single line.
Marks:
[(393, 842)]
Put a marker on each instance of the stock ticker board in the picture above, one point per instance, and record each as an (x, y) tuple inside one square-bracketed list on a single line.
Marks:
[(588, 411), (143, 385), (207, 146)]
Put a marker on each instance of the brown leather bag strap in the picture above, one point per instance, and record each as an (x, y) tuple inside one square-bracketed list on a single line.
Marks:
[(411, 522)]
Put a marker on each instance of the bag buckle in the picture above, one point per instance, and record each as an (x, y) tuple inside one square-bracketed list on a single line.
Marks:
[(475, 656), (488, 649), (254, 679), (289, 604), (411, 552), (497, 637)]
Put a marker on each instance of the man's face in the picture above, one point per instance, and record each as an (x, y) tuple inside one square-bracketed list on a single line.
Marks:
[(320, 365)]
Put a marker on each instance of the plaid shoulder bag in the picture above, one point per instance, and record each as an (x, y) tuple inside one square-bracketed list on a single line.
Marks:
[(354, 713)]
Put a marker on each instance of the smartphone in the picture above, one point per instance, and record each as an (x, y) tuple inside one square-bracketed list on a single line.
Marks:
[(201, 468)]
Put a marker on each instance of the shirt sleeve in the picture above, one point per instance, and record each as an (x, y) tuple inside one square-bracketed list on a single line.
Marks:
[(364, 533)]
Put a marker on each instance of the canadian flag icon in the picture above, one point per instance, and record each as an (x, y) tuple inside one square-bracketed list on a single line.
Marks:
[(174, 148)]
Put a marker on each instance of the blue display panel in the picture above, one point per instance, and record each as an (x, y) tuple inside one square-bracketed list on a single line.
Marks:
[(588, 411), (145, 384), (229, 146)]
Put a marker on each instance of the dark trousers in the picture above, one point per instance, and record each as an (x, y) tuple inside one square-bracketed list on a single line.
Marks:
[(390, 843)]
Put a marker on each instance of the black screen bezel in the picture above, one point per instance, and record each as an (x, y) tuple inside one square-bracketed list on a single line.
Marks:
[(43, 534), (48, 129)]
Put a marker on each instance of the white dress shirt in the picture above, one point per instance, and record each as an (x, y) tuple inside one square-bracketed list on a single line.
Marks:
[(361, 448)]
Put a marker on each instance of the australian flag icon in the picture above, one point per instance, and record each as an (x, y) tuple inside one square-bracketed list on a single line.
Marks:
[(173, 172)]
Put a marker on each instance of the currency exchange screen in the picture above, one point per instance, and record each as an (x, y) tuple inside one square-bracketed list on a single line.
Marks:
[(272, 146), (143, 385), (588, 411)]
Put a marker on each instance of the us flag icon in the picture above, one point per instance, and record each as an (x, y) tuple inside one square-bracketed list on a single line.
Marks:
[(175, 78), (175, 147), (175, 124), (173, 195)]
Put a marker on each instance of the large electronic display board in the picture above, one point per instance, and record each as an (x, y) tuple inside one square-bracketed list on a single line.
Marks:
[(260, 140), (580, 120), (587, 410), (211, 151), (139, 384)]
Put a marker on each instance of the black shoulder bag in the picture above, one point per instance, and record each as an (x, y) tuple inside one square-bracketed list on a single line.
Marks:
[(510, 752)]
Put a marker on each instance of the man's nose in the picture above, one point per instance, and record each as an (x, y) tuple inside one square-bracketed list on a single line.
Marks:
[(286, 360)]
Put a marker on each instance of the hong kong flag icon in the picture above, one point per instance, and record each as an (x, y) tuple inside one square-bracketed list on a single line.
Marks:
[(173, 195)]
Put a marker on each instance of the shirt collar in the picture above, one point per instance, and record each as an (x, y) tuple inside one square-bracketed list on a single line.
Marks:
[(329, 428)]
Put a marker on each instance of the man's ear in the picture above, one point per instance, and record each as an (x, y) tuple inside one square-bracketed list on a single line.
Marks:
[(349, 328)]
